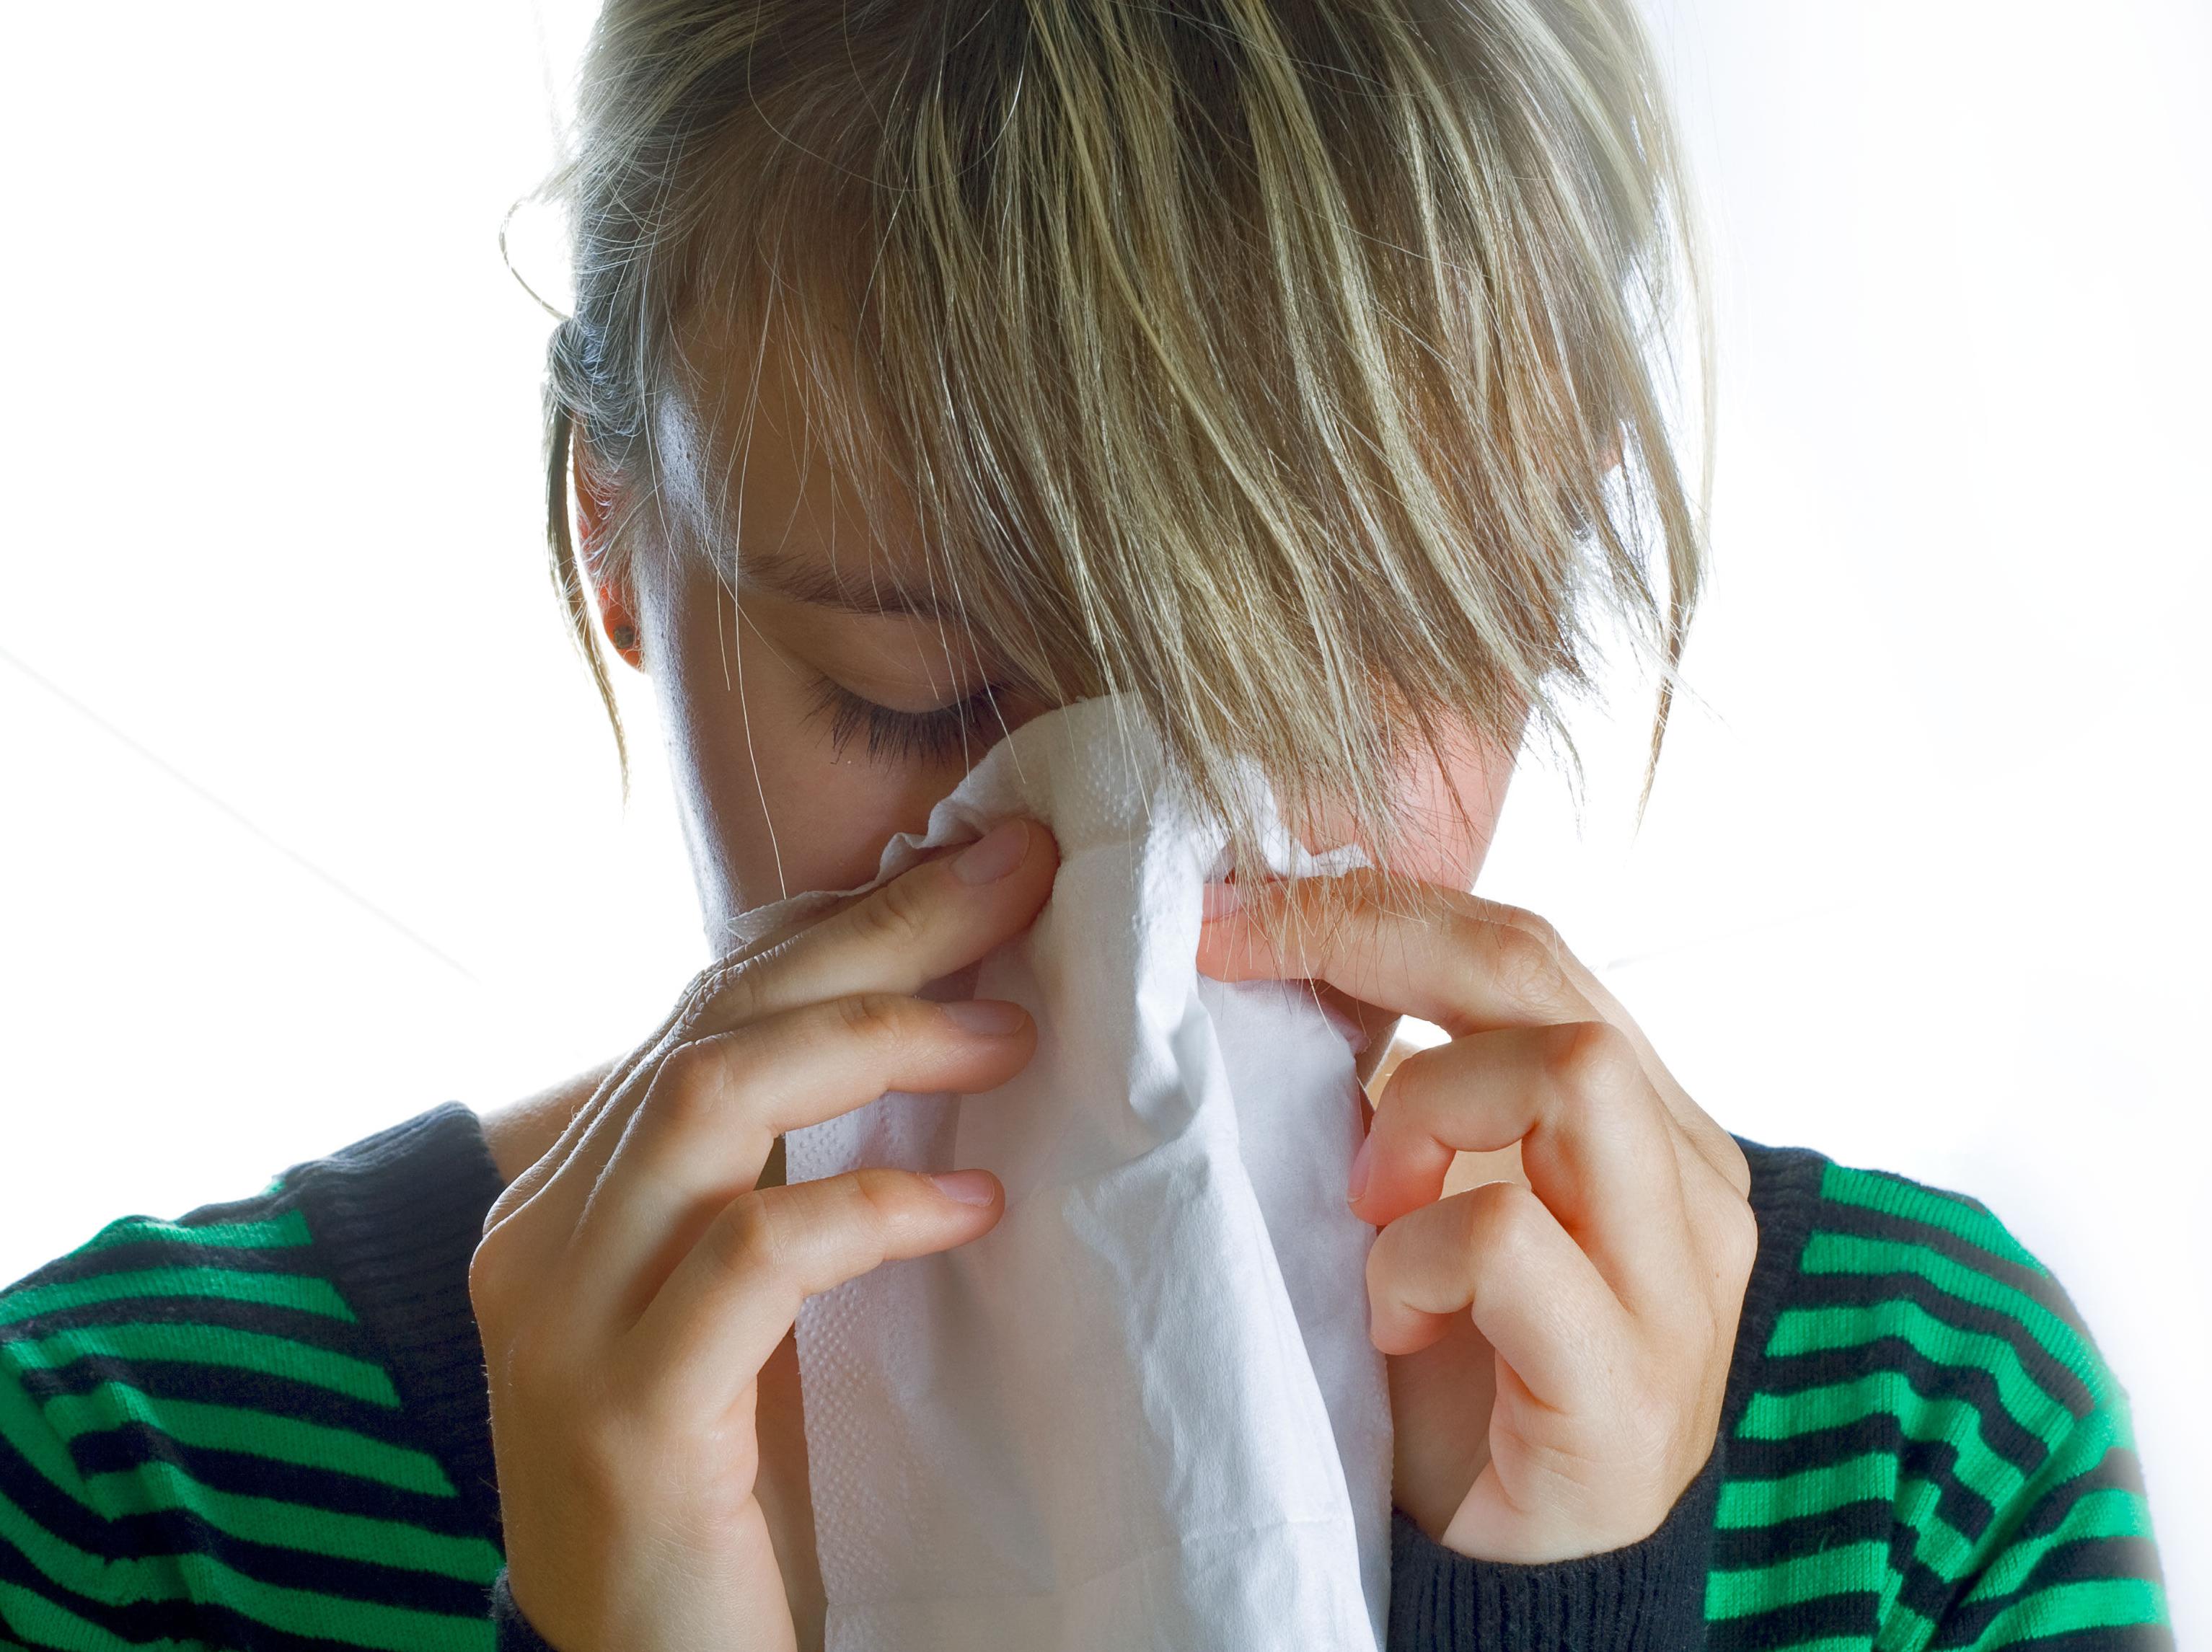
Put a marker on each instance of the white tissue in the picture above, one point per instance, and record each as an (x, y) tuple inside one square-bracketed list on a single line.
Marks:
[(1143, 1411)]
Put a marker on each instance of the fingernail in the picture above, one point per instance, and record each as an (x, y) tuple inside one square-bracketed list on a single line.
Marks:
[(967, 1187), (994, 854), (990, 1016), (1220, 900), (1359, 1168)]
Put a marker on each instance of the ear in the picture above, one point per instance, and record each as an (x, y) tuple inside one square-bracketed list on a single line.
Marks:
[(595, 509)]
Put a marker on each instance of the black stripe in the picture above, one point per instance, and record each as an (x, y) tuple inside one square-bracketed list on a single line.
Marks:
[(2125, 1637), (1872, 1520), (51, 1507), (1742, 1548), (188, 1313), (1878, 1432), (139, 1622), (177, 1531), (2090, 1559), (138, 1256), (2082, 1560), (1868, 1291), (227, 1385), (254, 1207), (1795, 1374), (1858, 1222), (171, 1530), (1855, 1614), (126, 1450), (235, 1632)]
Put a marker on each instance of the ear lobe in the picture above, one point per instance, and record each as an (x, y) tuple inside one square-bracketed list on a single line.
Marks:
[(595, 509)]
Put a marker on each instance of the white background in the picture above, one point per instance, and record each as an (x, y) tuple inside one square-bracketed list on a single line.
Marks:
[(309, 820)]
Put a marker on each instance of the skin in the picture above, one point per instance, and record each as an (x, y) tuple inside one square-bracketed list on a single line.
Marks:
[(1563, 1242)]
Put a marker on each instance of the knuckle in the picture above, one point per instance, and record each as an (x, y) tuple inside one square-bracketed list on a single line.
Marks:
[(689, 1082), (751, 1236), (489, 1269), (885, 1020), (1502, 1219), (1526, 966), (879, 1197), (1586, 1058), (684, 1066), (896, 914), (1734, 1168), (1539, 930), (1739, 1239)]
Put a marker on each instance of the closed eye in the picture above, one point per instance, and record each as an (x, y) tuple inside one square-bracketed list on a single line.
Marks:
[(937, 736)]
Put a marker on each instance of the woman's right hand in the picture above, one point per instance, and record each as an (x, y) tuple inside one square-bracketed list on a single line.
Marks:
[(632, 1283)]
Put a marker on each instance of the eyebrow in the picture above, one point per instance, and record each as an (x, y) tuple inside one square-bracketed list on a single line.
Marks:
[(851, 591)]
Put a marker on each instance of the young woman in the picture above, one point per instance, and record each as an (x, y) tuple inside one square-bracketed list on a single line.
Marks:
[(1292, 369)]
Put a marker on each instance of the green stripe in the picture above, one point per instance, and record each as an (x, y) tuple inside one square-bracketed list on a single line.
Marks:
[(1937, 1544), (1740, 1592), (117, 1581), (203, 1579), (160, 1486), (2111, 1511), (1841, 1253), (1914, 1500), (1822, 1330), (1746, 1505), (212, 1344), (332, 1618), (1923, 1421), (309, 1295), (24, 1431), (1870, 1192), (2062, 1609), (2066, 1608), (274, 1233), (257, 1433), (34, 1614)]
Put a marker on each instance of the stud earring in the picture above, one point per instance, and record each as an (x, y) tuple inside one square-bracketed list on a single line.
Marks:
[(625, 637)]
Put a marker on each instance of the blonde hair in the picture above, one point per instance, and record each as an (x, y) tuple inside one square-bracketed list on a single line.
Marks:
[(1298, 368)]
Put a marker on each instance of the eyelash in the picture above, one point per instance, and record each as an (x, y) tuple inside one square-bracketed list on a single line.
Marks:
[(905, 735)]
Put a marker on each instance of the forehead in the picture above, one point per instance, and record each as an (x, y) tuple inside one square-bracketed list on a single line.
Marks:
[(801, 498)]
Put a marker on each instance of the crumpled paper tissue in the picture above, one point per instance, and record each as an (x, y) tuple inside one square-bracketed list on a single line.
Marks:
[(1143, 1411)]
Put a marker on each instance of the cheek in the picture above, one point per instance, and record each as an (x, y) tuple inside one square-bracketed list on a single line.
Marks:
[(768, 806), (1445, 842)]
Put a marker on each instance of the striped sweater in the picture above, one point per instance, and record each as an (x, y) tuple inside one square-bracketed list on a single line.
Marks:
[(263, 1424)]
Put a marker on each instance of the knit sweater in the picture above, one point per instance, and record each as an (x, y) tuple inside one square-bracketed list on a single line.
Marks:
[(265, 1424)]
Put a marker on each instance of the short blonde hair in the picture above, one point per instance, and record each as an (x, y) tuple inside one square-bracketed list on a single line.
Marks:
[(1298, 369)]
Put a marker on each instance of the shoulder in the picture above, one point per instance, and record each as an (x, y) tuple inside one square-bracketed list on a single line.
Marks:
[(223, 1429), (1924, 1441)]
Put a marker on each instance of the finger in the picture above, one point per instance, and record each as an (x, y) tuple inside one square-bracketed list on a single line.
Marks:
[(1495, 1254), (926, 923), (1466, 963), (705, 1337), (923, 925), (1523, 971), (1702, 1132), (717, 1105), (1596, 1145)]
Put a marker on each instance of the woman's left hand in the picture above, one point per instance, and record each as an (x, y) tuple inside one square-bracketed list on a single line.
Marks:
[(1559, 1349)]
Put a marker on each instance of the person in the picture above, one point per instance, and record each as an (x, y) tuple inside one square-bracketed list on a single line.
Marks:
[(1294, 370)]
